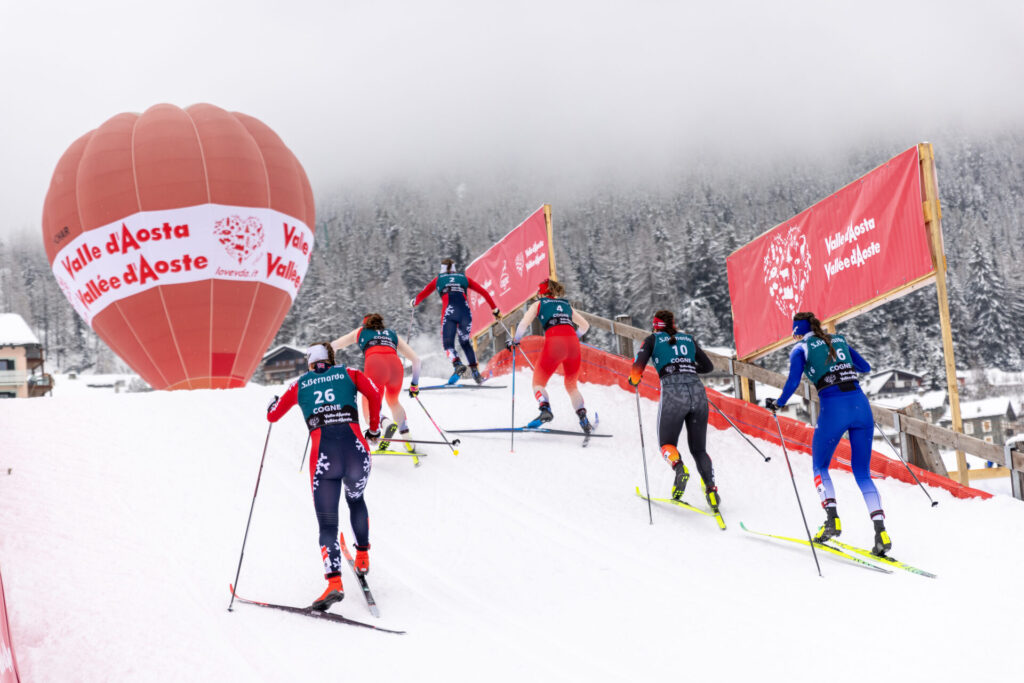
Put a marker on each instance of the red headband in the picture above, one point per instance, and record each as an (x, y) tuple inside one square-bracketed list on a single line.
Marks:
[(658, 323), (542, 288), (365, 318)]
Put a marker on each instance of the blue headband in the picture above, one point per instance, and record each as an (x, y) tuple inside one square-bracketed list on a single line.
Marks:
[(801, 327)]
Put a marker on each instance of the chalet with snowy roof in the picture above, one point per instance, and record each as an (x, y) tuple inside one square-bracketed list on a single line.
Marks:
[(892, 382), (283, 363), (992, 419), (21, 360)]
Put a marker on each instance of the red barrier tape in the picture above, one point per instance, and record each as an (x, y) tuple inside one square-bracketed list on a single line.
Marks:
[(602, 367), (8, 664)]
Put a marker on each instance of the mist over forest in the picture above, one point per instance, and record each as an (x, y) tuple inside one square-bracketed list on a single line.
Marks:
[(624, 245)]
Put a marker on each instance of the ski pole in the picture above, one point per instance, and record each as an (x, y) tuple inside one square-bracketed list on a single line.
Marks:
[(454, 442), (934, 502), (439, 431), (512, 445), (801, 505), (766, 457), (304, 453), (643, 454), (251, 508)]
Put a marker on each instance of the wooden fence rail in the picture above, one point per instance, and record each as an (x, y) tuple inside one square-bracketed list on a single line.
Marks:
[(905, 425)]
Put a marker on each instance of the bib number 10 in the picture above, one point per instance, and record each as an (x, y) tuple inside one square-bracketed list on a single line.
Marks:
[(321, 396)]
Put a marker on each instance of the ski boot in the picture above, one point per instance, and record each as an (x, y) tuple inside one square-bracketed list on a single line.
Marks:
[(584, 422), (682, 476), (362, 561), (711, 494), (385, 442), (882, 542), (545, 416), (476, 374), (459, 370), (409, 446), (334, 593), (831, 528)]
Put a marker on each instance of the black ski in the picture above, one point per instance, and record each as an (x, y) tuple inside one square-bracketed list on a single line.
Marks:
[(370, 602), (435, 387), (310, 612)]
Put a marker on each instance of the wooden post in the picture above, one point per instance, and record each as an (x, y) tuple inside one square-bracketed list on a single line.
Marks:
[(551, 242), (745, 389), (625, 343), (933, 221)]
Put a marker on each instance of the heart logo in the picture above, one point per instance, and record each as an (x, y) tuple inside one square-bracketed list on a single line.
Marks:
[(240, 237), (787, 270)]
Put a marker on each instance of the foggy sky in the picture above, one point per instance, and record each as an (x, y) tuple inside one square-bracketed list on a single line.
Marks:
[(362, 91)]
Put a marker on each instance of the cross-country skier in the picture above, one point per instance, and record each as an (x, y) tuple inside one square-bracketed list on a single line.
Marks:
[(381, 363), (327, 397), (453, 287), (832, 365), (678, 359), (563, 328)]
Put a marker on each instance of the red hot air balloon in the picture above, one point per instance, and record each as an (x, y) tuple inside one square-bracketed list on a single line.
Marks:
[(182, 237)]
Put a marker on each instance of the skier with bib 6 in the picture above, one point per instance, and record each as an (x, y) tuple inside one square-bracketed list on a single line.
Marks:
[(831, 364)]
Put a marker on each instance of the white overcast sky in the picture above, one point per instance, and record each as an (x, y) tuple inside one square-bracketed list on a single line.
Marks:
[(368, 90)]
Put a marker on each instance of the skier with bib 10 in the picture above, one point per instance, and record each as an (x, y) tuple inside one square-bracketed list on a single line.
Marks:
[(326, 395), (563, 328), (832, 365), (678, 359), (456, 320)]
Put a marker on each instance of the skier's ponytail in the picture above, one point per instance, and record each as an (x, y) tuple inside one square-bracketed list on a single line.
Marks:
[(818, 331), (668, 318), (373, 321)]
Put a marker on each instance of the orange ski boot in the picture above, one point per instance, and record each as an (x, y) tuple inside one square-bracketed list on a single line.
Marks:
[(334, 593), (362, 561)]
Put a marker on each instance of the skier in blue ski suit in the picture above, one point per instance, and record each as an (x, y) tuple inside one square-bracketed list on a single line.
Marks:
[(832, 365)]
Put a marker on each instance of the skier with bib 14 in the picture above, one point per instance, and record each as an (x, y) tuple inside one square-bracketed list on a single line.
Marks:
[(456, 320), (832, 365), (326, 395)]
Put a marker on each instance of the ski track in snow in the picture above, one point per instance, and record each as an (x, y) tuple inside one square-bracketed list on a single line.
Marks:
[(123, 515)]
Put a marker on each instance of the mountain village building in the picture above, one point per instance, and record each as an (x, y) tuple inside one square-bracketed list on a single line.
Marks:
[(21, 360)]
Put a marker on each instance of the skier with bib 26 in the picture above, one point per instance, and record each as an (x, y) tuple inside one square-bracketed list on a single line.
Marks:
[(832, 365), (456, 320), (381, 347), (326, 395), (678, 359), (563, 328)]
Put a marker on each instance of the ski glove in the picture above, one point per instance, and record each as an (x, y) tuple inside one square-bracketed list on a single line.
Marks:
[(632, 383), (509, 343), (414, 390), (771, 405), (273, 402), (372, 436), (496, 313)]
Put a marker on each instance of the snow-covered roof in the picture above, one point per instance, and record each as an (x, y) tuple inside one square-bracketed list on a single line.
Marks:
[(283, 347), (720, 350), (988, 407), (14, 331), (930, 400), (899, 370), (896, 402), (997, 377), (873, 384)]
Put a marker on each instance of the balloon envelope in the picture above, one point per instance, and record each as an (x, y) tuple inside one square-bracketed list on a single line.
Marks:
[(182, 237)]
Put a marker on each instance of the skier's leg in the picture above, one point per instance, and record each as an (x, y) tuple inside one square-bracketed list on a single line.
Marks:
[(465, 325), (355, 472), (697, 432), (325, 480), (448, 328)]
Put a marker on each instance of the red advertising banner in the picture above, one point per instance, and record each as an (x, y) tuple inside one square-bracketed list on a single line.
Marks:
[(8, 665), (866, 241), (512, 268)]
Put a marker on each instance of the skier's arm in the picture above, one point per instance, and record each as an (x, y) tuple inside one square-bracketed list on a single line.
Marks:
[(704, 364), (797, 359), (368, 389), (477, 287), (637, 371), (346, 340), (284, 404), (859, 364), (581, 323), (524, 324), (425, 292), (407, 351)]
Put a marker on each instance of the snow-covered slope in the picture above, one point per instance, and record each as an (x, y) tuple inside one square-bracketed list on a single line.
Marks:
[(121, 521)]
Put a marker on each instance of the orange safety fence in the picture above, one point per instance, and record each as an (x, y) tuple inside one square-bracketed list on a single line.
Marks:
[(602, 367)]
